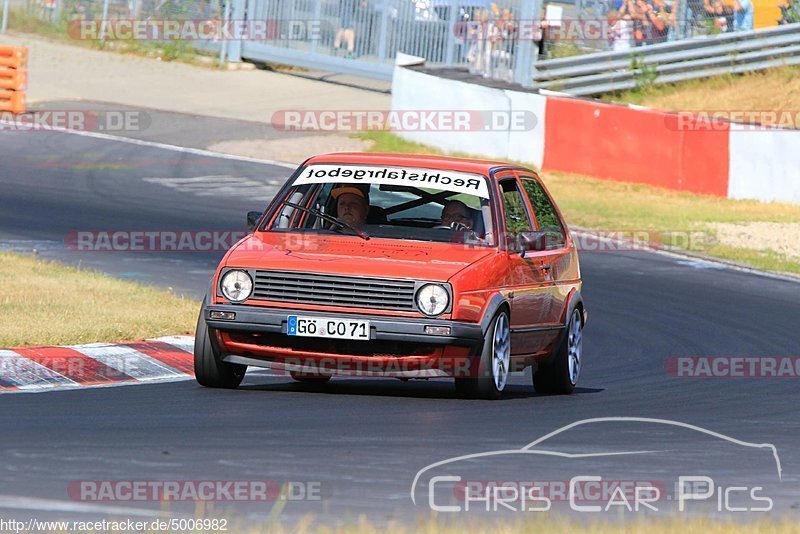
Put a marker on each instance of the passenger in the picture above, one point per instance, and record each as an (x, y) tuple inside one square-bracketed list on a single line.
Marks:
[(455, 211), (352, 204)]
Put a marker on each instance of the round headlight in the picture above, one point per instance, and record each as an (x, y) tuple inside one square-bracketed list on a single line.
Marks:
[(432, 299), (236, 285)]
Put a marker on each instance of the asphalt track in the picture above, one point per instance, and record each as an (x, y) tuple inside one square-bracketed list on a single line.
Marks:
[(364, 440)]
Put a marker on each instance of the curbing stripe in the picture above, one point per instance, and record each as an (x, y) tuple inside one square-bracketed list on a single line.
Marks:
[(36, 369), (167, 354), (22, 373), (127, 361), (184, 343), (75, 366), (6, 385)]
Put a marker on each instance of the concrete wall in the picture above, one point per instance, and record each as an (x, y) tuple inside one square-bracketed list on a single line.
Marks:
[(612, 142)]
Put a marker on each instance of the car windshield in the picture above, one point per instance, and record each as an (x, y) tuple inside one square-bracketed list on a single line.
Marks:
[(388, 202)]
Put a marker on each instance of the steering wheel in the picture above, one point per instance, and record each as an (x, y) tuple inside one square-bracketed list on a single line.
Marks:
[(455, 225)]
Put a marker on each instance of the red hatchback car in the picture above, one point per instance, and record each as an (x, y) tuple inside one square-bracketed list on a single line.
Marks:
[(401, 266)]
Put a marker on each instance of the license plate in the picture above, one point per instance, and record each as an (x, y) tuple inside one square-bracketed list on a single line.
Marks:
[(327, 327)]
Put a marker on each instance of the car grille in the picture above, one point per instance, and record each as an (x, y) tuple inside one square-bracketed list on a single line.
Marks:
[(335, 290)]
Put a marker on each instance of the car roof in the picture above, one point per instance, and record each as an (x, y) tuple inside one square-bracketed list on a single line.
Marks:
[(412, 160)]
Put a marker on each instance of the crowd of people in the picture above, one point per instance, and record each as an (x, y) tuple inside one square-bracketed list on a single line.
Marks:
[(642, 22), (630, 23), (490, 42), (488, 35)]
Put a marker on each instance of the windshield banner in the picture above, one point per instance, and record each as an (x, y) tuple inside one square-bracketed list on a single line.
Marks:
[(458, 182)]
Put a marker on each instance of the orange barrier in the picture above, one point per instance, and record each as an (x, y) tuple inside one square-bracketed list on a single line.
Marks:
[(633, 145), (15, 57), (13, 78), (13, 101)]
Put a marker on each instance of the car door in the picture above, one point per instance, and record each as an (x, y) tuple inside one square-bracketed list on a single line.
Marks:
[(528, 285), (560, 258)]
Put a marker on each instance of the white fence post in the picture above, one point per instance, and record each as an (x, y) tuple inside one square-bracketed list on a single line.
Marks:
[(223, 45), (4, 26), (530, 13), (103, 22)]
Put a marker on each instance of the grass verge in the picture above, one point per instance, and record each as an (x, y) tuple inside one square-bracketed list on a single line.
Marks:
[(44, 303), (766, 90), (668, 216)]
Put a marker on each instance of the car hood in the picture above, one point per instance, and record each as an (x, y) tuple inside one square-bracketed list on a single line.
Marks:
[(351, 255)]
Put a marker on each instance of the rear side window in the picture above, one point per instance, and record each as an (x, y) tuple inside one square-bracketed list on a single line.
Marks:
[(516, 216), (545, 213)]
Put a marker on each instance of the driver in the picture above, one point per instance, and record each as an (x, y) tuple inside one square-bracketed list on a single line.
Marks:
[(455, 211), (352, 204)]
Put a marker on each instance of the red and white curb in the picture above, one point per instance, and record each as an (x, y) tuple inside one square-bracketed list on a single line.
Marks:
[(34, 369)]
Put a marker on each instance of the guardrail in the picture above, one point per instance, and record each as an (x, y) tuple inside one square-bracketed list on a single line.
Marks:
[(13, 78), (729, 53)]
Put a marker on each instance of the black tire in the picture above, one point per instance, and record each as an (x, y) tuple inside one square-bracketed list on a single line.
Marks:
[(558, 378), (484, 385), (209, 370), (310, 377)]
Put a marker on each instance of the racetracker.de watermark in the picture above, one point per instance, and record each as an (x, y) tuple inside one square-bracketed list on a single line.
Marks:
[(733, 366), (193, 490), (223, 240), (642, 240), (78, 120), (153, 240), (744, 120), (198, 29), (582, 30), (404, 120)]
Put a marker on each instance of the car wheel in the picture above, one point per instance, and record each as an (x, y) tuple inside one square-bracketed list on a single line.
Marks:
[(561, 375), (494, 363), (310, 377), (209, 369)]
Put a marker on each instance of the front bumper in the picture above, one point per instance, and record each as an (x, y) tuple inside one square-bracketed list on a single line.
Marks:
[(398, 346), (383, 328)]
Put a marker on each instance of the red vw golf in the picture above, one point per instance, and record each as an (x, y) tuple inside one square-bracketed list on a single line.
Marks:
[(401, 266)]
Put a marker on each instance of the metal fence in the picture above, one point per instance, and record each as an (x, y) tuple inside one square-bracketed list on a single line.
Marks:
[(364, 36), (511, 40), (499, 39)]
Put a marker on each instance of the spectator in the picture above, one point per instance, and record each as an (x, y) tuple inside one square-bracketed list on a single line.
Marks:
[(483, 36), (720, 14), (660, 18), (506, 43), (743, 15), (636, 10), (347, 31), (621, 31), (790, 11)]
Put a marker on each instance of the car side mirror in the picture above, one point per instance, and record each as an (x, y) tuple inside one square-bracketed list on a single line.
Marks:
[(536, 241), (252, 219)]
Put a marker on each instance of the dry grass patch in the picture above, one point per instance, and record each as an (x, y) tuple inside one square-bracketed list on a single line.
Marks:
[(773, 89), (44, 303)]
